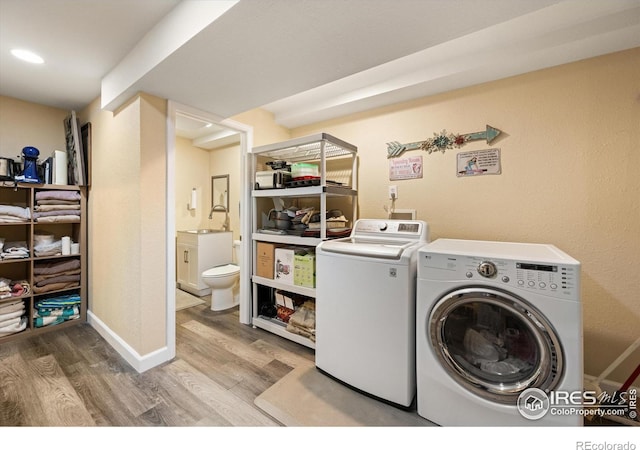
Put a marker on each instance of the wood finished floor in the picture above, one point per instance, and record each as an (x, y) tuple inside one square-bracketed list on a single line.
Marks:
[(72, 377)]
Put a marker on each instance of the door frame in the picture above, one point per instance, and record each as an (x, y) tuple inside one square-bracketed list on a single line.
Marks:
[(246, 143)]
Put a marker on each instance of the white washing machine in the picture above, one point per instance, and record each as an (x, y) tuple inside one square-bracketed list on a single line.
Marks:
[(365, 308), (499, 334)]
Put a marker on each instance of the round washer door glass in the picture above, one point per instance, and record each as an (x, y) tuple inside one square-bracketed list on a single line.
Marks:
[(495, 344)]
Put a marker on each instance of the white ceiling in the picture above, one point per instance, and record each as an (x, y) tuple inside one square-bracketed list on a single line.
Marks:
[(304, 60)]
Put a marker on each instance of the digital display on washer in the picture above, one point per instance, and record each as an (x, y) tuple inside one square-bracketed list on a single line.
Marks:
[(409, 227), (541, 267)]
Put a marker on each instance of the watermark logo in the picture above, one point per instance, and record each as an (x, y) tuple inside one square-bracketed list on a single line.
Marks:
[(534, 403)]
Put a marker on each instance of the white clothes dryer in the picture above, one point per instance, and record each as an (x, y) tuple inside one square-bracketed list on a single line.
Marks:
[(366, 308), (499, 334)]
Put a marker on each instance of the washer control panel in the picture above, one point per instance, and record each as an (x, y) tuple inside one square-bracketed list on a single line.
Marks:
[(559, 280), (412, 229)]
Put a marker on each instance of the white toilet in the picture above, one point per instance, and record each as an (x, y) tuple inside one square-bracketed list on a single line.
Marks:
[(222, 280)]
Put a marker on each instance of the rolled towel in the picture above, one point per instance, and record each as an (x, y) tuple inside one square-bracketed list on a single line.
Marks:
[(19, 288)]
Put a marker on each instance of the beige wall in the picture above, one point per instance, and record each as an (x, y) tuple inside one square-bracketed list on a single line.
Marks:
[(570, 150), (24, 124), (191, 171), (194, 168), (127, 220), (265, 129), (226, 161)]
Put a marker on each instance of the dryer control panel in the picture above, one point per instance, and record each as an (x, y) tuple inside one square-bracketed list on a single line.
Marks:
[(558, 280)]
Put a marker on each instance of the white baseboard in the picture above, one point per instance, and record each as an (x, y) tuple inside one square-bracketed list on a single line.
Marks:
[(140, 363), (609, 386)]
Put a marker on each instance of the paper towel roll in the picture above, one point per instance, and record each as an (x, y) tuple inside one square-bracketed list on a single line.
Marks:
[(75, 249), (194, 198), (66, 245)]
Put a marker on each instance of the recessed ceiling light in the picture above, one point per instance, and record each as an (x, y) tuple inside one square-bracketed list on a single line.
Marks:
[(27, 55)]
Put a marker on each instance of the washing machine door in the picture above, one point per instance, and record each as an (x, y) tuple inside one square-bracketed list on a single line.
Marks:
[(494, 343)]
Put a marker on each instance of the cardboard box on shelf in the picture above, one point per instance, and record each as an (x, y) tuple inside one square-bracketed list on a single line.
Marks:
[(265, 259)]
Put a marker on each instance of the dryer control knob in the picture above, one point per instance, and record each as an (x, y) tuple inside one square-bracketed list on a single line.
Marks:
[(382, 226), (487, 269)]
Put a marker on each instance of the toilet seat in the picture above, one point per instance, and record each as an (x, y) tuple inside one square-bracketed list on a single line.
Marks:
[(221, 271)]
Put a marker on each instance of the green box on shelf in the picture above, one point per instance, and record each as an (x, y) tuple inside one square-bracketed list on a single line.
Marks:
[(304, 269)]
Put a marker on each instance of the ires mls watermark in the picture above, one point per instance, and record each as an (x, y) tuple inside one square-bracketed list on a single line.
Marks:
[(534, 403)]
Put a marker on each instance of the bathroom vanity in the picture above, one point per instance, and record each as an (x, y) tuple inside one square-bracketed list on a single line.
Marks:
[(197, 251)]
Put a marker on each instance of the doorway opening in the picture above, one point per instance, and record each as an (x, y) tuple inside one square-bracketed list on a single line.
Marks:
[(201, 148)]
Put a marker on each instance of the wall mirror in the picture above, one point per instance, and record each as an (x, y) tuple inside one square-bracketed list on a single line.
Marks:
[(220, 193)]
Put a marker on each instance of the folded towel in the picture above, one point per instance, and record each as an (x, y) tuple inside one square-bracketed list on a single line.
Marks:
[(55, 267), (41, 319), (14, 245), (58, 312), (5, 218), (38, 278), (10, 322), (22, 325), (63, 301), (59, 219), (44, 208), (57, 202), (11, 315), (55, 287), (16, 249), (57, 195), (15, 211), (62, 212), (50, 249), (6, 308), (58, 279)]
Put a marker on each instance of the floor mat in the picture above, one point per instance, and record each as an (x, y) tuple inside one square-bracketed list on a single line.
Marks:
[(306, 397), (185, 300)]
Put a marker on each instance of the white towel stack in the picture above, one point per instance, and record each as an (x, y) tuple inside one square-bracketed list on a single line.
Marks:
[(14, 250), (12, 317), (12, 214)]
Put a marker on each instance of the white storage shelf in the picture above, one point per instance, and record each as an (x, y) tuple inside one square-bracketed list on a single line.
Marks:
[(318, 148)]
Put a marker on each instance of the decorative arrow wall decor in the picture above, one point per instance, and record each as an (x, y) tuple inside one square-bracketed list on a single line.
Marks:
[(442, 141)]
